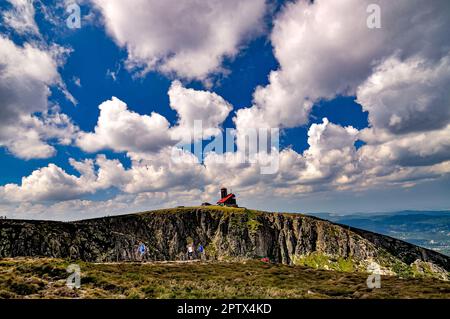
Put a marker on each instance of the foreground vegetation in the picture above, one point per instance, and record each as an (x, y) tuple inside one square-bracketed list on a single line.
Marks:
[(46, 278)]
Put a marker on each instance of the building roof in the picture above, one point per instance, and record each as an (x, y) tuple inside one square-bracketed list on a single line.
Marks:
[(223, 200)]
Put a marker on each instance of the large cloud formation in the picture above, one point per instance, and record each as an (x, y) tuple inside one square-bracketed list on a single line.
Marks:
[(399, 74), (193, 105), (408, 96), (325, 49), (122, 130), (27, 73), (29, 123), (189, 38)]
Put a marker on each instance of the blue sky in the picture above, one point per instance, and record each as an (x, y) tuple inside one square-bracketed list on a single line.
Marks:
[(351, 162)]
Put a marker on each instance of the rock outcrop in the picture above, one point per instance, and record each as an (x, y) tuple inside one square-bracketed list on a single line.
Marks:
[(226, 233)]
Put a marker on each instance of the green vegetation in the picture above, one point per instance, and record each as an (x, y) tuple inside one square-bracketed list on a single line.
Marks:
[(211, 251), (223, 210), (180, 210), (244, 219), (46, 278), (321, 261), (314, 260), (402, 269), (424, 269), (345, 264), (253, 223), (393, 265), (397, 266)]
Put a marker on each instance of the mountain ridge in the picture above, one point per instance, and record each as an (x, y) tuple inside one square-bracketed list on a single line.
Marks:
[(429, 229), (226, 234)]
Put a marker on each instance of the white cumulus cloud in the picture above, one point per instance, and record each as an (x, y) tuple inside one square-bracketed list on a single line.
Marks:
[(190, 38), (325, 49), (123, 130), (408, 96), (194, 105), (27, 73)]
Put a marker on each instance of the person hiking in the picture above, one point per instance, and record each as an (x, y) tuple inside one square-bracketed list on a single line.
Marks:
[(142, 249), (200, 250), (190, 248)]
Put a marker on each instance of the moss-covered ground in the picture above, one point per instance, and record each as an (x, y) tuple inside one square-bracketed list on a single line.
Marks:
[(46, 278)]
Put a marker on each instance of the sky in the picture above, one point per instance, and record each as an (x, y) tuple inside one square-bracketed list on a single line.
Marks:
[(98, 109)]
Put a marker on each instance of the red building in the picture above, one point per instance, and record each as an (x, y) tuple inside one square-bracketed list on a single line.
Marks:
[(227, 199)]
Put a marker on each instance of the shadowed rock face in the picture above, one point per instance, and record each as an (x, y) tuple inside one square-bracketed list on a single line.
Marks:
[(224, 232)]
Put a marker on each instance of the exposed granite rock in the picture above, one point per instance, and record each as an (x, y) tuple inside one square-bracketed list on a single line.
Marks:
[(224, 232)]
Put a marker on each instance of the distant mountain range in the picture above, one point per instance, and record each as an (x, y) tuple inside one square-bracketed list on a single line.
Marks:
[(429, 229)]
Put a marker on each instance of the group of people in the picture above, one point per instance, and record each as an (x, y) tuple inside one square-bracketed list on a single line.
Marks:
[(191, 250), (142, 250)]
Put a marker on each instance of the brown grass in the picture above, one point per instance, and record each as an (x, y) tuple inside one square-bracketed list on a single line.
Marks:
[(46, 278)]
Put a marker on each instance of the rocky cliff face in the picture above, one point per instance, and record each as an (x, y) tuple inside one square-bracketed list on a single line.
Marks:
[(226, 233)]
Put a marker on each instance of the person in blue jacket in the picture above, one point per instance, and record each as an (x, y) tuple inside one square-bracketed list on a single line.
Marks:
[(200, 250), (142, 249)]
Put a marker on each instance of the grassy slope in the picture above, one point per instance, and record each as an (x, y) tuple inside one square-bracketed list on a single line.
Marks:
[(45, 278)]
